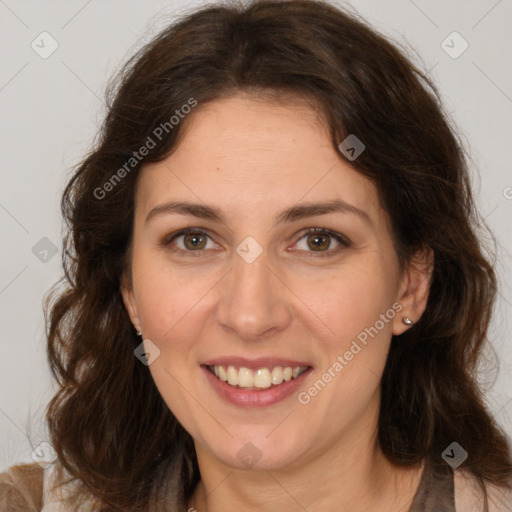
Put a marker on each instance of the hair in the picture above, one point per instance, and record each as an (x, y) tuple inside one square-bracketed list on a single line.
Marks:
[(109, 425)]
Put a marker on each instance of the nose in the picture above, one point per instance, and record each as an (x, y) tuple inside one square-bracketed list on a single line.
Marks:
[(254, 302)]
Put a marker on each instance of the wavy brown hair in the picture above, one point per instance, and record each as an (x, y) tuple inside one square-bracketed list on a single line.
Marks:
[(109, 425)]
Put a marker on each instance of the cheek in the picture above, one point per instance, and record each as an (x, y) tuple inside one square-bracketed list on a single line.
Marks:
[(350, 301), (174, 308), (170, 300), (355, 309)]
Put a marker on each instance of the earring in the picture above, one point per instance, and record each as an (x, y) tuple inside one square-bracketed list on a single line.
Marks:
[(139, 332), (407, 321)]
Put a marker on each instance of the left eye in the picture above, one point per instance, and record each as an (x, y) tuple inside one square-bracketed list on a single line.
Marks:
[(320, 240)]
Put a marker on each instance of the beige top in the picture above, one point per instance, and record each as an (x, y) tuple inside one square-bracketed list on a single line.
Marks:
[(27, 488), (51, 501)]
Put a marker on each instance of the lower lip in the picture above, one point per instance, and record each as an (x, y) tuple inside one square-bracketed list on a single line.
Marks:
[(252, 398)]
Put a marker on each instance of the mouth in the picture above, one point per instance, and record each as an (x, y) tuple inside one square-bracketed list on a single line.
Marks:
[(254, 379), (261, 382)]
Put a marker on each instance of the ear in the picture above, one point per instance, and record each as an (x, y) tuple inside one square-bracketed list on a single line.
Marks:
[(414, 289), (129, 302)]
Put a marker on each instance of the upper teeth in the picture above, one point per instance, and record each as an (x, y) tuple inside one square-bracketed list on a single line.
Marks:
[(261, 378)]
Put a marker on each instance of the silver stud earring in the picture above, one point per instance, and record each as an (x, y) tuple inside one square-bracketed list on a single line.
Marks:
[(139, 333), (407, 321)]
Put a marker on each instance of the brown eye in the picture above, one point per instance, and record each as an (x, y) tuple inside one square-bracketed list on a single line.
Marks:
[(318, 242), (322, 241), (189, 241), (193, 241)]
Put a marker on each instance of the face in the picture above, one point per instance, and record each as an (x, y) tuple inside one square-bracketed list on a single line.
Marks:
[(287, 266)]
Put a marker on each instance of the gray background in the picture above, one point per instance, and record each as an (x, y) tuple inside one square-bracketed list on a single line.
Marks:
[(51, 109)]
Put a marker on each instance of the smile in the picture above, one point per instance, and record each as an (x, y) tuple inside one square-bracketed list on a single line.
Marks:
[(260, 378)]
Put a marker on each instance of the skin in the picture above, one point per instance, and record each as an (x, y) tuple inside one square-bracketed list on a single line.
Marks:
[(251, 158)]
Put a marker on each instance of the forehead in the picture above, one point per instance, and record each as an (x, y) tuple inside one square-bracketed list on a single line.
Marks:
[(258, 155)]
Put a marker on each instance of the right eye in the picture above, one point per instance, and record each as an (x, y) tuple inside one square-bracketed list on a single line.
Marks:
[(188, 241)]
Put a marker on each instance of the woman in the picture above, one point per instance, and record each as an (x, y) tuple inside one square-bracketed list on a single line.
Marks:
[(262, 311)]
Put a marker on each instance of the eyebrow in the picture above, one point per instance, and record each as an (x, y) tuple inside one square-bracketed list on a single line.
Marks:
[(296, 212)]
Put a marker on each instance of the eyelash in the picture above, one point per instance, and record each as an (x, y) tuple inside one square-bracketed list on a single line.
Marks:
[(345, 243)]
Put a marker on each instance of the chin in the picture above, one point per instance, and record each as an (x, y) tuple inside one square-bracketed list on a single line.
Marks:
[(259, 451)]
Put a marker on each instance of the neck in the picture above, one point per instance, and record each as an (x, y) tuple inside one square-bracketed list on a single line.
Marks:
[(352, 475)]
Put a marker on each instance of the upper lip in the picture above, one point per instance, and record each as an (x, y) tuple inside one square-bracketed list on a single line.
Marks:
[(254, 364)]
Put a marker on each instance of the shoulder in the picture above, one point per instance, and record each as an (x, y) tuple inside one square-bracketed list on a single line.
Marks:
[(469, 496), (21, 488), (32, 488), (62, 493)]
